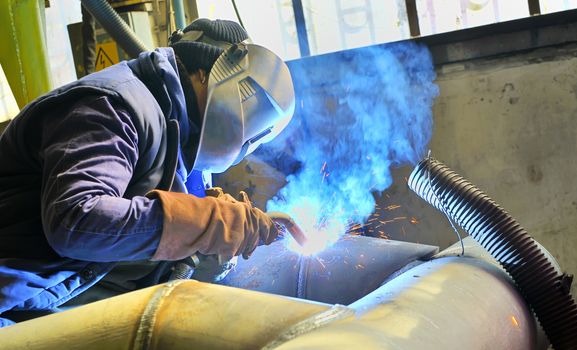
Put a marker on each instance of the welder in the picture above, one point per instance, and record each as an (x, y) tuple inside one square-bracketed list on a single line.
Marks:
[(102, 181)]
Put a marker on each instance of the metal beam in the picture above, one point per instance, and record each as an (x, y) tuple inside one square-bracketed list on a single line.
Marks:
[(301, 28), (534, 7), (413, 18)]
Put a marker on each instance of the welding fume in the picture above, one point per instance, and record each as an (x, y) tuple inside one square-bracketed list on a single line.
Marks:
[(372, 114)]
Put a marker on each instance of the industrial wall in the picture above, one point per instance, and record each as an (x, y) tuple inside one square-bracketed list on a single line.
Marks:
[(509, 125)]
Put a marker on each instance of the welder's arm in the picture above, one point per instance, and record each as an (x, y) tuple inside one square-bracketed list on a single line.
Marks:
[(88, 157), (212, 226)]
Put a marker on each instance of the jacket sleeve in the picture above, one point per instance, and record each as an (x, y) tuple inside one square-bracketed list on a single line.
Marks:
[(88, 155)]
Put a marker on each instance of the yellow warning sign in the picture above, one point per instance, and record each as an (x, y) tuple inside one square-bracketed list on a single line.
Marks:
[(106, 55)]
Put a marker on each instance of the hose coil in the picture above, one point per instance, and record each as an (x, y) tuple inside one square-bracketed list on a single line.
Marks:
[(546, 290)]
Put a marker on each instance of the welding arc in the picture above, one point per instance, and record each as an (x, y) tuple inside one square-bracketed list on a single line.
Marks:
[(285, 220), (545, 289)]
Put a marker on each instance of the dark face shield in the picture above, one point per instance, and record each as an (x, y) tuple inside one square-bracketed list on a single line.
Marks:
[(250, 101)]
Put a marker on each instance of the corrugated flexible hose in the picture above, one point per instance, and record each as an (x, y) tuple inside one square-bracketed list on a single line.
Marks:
[(115, 26), (546, 290)]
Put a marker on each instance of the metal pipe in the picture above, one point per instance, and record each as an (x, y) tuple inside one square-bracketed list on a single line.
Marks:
[(115, 26), (179, 16), (177, 315), (446, 303)]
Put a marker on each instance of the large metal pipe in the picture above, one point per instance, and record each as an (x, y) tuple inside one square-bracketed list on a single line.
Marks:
[(179, 315), (446, 303)]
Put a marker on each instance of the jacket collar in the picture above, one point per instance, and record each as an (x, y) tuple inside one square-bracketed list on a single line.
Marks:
[(158, 71)]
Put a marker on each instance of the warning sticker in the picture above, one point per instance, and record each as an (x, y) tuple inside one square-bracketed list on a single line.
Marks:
[(106, 55)]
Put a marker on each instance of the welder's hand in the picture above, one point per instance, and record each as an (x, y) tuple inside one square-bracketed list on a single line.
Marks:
[(212, 225), (217, 192)]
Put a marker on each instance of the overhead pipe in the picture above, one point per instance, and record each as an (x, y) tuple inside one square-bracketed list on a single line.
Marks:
[(179, 15), (544, 287), (115, 26)]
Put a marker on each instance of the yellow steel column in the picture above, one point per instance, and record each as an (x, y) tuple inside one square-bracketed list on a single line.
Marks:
[(23, 50)]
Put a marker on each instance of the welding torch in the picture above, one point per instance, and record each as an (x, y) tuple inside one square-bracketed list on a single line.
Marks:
[(290, 225)]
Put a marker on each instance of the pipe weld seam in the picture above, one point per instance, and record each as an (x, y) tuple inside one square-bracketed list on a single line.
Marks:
[(335, 313), (145, 329)]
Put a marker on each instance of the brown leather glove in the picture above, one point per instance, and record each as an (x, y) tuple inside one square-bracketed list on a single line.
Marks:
[(221, 226)]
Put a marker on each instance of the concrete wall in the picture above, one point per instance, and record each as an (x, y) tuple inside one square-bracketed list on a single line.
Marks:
[(509, 125)]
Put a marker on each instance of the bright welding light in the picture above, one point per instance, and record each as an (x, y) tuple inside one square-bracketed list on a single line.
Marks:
[(321, 227)]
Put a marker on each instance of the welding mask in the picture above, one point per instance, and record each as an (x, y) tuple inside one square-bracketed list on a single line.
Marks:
[(250, 100)]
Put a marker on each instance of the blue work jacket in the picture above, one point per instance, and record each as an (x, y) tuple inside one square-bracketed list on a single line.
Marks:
[(76, 164)]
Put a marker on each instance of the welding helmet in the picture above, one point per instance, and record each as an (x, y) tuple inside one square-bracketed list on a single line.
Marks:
[(250, 100)]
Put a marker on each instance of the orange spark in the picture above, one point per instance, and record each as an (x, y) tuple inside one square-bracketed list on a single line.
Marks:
[(414, 220), (384, 222), (514, 321), (381, 235)]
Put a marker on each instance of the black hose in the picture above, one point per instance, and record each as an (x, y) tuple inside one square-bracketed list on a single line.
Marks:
[(115, 26), (546, 290)]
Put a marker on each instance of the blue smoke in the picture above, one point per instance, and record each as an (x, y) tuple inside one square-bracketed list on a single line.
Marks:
[(361, 113)]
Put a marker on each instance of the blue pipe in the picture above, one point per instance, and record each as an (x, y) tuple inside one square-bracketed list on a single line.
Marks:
[(179, 16)]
